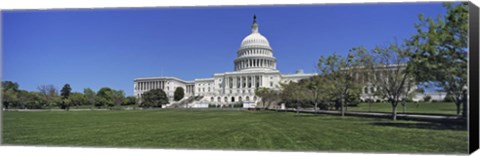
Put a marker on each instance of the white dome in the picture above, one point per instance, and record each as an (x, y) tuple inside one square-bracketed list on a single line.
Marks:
[(255, 52), (255, 39)]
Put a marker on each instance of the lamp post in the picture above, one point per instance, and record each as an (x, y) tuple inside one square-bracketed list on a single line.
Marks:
[(465, 101)]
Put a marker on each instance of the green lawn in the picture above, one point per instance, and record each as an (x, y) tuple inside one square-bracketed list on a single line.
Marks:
[(216, 129), (420, 107)]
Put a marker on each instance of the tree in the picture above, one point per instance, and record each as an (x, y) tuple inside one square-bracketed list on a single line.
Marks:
[(293, 93), (77, 99), (29, 100), (178, 94), (118, 97), (66, 90), (65, 93), (440, 57), (49, 94), (316, 89), (154, 98), (104, 97), (391, 73), (266, 95), (130, 100), (90, 96), (339, 72), (9, 93)]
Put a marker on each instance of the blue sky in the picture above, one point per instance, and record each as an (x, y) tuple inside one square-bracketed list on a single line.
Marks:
[(94, 48)]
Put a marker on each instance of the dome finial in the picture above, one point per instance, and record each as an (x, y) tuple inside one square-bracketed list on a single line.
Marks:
[(254, 25)]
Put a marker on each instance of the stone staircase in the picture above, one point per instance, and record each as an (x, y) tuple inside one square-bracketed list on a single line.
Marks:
[(183, 103)]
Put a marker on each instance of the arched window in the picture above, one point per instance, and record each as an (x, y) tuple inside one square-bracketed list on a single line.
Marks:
[(211, 99), (254, 98), (247, 98), (226, 99), (233, 99), (240, 99), (218, 99)]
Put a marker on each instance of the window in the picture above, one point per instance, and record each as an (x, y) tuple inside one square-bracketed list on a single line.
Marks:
[(271, 84)]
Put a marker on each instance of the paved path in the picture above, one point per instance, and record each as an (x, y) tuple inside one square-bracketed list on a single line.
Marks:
[(420, 117)]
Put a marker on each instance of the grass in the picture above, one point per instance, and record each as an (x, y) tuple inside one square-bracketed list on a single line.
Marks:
[(216, 129), (444, 108)]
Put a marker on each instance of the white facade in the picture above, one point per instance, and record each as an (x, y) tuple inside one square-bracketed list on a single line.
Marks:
[(254, 67)]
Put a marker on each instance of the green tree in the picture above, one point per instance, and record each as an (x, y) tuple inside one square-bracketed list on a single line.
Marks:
[(154, 98), (339, 72), (49, 95), (130, 100), (316, 90), (118, 97), (65, 93), (178, 94), (90, 96), (293, 95), (77, 99), (104, 97), (394, 73), (441, 57), (266, 95), (9, 93)]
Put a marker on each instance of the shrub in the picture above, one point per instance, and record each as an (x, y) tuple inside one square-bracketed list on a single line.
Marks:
[(213, 106), (409, 100), (448, 98), (238, 105), (427, 98)]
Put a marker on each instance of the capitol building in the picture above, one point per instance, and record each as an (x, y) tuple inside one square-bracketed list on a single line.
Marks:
[(255, 66)]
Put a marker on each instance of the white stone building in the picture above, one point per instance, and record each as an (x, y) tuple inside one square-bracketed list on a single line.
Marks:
[(254, 67)]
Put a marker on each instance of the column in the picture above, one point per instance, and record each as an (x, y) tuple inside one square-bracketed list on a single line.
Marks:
[(249, 79), (261, 80), (253, 81), (234, 82)]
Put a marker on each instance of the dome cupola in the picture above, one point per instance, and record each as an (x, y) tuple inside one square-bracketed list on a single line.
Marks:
[(255, 52)]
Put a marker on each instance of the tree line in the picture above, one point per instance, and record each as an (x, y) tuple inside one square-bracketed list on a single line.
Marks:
[(435, 57), (48, 96)]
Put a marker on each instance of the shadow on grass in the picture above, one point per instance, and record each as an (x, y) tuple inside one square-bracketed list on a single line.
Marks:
[(424, 125)]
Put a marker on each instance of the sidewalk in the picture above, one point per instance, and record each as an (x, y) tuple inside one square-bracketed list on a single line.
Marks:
[(400, 116)]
